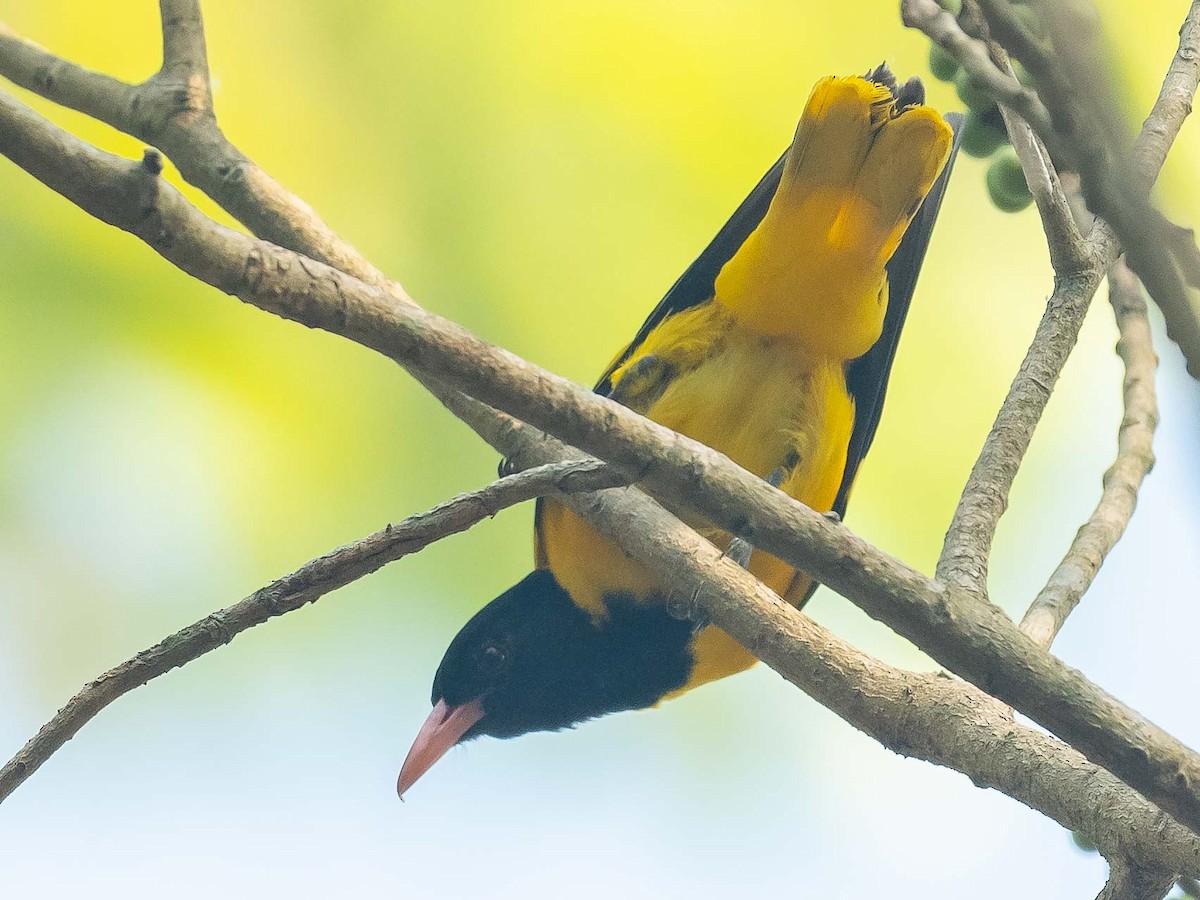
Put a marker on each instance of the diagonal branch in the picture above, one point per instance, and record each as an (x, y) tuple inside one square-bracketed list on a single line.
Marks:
[(1174, 101), (967, 548), (285, 218), (974, 640), (1135, 458), (172, 111), (291, 592), (68, 84), (942, 28), (926, 716), (968, 543), (1068, 251), (1075, 83)]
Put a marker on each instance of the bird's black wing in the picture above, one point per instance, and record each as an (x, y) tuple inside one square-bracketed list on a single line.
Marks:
[(866, 376), (695, 286)]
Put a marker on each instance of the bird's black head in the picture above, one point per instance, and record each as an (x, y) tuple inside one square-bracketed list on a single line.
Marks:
[(532, 660)]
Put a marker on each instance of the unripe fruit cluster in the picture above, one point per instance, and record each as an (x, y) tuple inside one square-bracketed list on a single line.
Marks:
[(984, 134)]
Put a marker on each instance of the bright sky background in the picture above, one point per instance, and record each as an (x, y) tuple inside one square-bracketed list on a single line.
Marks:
[(540, 172)]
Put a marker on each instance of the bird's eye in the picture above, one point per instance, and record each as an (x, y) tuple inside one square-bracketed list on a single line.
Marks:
[(492, 659)]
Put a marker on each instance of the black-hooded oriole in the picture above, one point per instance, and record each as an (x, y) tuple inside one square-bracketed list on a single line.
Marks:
[(774, 348)]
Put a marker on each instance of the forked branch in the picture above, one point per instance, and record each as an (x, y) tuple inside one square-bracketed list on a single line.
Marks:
[(953, 725), (1123, 480), (306, 585)]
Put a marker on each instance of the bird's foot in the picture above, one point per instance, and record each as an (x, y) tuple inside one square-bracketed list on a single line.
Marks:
[(740, 550), (688, 610)]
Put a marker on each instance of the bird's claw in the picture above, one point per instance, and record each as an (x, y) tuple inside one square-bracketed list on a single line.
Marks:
[(739, 550), (688, 610)]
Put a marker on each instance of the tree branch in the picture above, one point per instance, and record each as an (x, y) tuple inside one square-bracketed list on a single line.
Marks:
[(988, 65), (185, 53), (68, 84), (926, 716), (968, 543), (1074, 81), (306, 585), (1174, 101), (1135, 458), (972, 639), (972, 54), (1042, 772), (1129, 881), (172, 111), (1068, 251)]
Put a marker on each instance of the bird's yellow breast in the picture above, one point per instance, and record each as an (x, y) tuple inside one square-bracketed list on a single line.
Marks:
[(760, 400), (758, 371)]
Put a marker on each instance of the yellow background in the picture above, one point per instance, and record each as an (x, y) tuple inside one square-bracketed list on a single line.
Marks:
[(540, 172)]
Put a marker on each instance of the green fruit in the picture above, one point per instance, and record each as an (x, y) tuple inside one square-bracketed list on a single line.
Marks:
[(942, 63), (970, 92), (982, 136), (1006, 183), (954, 7), (1082, 842)]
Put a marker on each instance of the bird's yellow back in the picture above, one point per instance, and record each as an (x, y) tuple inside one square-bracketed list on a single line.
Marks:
[(758, 371)]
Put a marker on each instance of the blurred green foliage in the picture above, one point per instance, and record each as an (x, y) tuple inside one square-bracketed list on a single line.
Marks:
[(539, 172)]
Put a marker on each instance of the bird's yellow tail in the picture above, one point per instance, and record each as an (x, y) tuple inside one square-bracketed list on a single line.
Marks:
[(855, 175)]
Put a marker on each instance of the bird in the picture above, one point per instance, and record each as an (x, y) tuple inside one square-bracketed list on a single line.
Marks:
[(774, 347)]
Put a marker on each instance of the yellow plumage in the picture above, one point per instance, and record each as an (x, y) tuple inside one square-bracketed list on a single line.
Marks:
[(758, 371)]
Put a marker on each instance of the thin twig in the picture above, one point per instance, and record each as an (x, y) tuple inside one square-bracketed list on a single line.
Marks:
[(988, 64), (967, 547), (922, 715), (185, 52), (66, 83), (1174, 101), (171, 111), (1068, 251), (1056, 793), (1074, 81), (307, 584), (1135, 458), (976, 641), (972, 54)]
